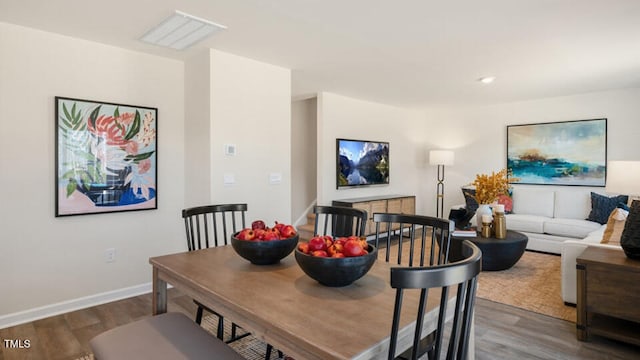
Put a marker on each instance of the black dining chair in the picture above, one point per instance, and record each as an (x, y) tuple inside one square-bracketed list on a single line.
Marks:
[(209, 226), (417, 234), (339, 221), (421, 241), (463, 276)]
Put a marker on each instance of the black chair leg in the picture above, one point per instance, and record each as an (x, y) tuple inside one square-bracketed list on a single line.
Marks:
[(220, 327), (199, 315), (267, 355)]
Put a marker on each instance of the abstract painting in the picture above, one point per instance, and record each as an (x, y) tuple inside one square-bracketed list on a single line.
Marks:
[(559, 153), (106, 157)]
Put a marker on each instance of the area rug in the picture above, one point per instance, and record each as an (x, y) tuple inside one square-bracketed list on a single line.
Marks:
[(532, 284), (249, 347)]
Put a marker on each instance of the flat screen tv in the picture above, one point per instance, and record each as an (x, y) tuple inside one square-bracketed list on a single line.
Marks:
[(361, 163)]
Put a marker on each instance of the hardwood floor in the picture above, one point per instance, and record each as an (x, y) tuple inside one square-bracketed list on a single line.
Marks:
[(502, 332)]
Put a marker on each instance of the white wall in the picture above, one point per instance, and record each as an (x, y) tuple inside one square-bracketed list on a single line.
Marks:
[(478, 134), (43, 259), (343, 117), (197, 128), (303, 156), (251, 108)]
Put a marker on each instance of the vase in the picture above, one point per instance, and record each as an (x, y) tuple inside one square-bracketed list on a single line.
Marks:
[(111, 192), (483, 209), (630, 239)]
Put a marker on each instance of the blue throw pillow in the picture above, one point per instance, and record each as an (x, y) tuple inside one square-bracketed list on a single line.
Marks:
[(602, 206)]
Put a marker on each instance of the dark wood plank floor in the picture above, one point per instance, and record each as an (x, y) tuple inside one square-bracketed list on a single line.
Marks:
[(502, 332)]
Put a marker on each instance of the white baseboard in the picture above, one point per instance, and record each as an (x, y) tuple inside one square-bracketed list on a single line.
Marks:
[(72, 305)]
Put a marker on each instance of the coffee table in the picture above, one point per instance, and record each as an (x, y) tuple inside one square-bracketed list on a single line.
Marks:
[(497, 254)]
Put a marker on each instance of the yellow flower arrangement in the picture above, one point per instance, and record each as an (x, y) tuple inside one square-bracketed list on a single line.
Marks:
[(489, 187)]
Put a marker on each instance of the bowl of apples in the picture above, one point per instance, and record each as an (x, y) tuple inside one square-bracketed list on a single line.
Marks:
[(263, 245), (336, 262)]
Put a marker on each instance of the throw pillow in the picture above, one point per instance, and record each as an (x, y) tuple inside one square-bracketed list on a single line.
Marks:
[(469, 199), (623, 206), (615, 226), (602, 206), (507, 201)]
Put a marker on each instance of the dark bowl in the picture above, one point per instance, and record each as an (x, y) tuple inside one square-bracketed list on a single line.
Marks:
[(264, 252), (336, 272)]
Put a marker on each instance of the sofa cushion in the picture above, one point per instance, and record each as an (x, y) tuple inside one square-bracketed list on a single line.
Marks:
[(526, 223), (574, 228), (572, 204), (595, 236), (533, 202), (602, 206), (614, 227)]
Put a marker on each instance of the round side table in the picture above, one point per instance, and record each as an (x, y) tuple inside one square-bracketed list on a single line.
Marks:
[(497, 254)]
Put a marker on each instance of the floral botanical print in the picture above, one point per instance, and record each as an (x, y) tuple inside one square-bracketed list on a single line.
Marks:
[(106, 157)]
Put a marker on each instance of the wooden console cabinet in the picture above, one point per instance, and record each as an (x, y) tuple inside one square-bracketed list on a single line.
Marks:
[(401, 204), (607, 295)]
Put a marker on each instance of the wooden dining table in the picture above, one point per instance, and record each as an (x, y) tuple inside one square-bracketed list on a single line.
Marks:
[(282, 306)]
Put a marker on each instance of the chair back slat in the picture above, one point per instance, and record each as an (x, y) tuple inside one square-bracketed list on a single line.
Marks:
[(462, 275), (339, 221), (209, 225), (415, 229)]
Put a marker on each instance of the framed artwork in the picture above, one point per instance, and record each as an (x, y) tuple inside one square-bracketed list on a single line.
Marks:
[(559, 153), (106, 157)]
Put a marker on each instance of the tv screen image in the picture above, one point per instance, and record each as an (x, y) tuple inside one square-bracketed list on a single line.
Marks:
[(361, 163)]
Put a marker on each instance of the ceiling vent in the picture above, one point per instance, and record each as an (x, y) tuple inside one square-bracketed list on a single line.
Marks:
[(180, 31)]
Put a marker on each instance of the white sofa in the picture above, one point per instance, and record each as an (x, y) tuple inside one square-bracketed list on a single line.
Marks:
[(551, 216), (554, 221), (571, 249)]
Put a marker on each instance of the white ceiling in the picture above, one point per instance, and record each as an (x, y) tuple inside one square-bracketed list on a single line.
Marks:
[(409, 53)]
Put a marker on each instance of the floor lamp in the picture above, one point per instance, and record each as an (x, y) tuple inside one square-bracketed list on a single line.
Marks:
[(441, 158)]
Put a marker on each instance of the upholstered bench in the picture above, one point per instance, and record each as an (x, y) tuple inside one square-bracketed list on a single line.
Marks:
[(170, 336)]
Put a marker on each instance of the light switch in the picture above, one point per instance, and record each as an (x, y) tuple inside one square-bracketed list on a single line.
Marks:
[(275, 178), (230, 149), (229, 179)]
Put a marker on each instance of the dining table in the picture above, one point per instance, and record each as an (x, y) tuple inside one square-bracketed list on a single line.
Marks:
[(282, 306)]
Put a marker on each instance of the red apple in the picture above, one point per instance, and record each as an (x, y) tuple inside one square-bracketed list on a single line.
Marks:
[(319, 253), (287, 231), (303, 247), (258, 224), (260, 234), (279, 226), (337, 255), (317, 243), (352, 248), (335, 248), (364, 243), (271, 234), (247, 234)]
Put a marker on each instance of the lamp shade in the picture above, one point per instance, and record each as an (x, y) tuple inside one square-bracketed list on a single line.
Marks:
[(441, 157), (623, 177)]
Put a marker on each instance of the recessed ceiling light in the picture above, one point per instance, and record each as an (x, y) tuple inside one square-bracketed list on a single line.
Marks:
[(180, 30), (487, 79)]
